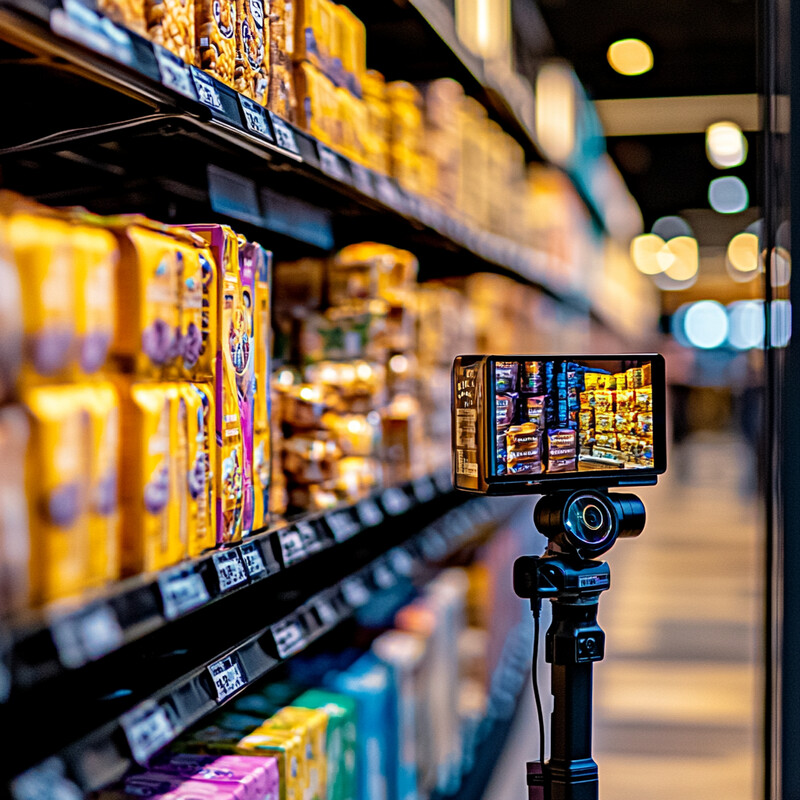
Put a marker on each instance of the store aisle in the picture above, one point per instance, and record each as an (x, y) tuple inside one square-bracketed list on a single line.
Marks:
[(677, 698)]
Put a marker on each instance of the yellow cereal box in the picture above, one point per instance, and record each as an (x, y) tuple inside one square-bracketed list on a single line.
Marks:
[(215, 38), (101, 404), (56, 485), (252, 50), (129, 13), (95, 257), (288, 748), (170, 23), (198, 319), (311, 724), (351, 47), (42, 252)]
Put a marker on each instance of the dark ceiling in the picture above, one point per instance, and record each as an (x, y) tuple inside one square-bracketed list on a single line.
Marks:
[(700, 47)]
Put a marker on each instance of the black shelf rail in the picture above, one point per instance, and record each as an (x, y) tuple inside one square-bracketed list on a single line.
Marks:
[(140, 731), (165, 93)]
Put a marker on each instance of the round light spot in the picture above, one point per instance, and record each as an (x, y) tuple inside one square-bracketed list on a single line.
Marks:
[(630, 57), (746, 324), (670, 227), (743, 252), (706, 324), (685, 258), (726, 146), (645, 251), (728, 195), (781, 323), (781, 266), (398, 364)]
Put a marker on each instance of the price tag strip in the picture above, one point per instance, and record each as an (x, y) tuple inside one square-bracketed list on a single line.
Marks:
[(181, 591), (328, 615), (424, 490), (86, 636), (175, 74), (207, 92), (395, 501), (148, 727), (255, 117), (310, 537), (369, 513), (228, 676), (289, 636), (81, 24), (401, 561), (284, 135), (384, 578), (342, 525), (355, 592), (230, 569), (253, 560), (331, 164), (293, 548)]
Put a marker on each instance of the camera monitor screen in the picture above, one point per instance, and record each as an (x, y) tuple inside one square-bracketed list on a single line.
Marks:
[(549, 419)]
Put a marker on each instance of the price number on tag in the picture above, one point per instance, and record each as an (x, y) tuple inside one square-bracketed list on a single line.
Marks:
[(310, 537), (230, 570), (207, 93), (331, 164), (369, 513), (148, 728), (289, 637), (284, 135), (292, 546), (355, 593), (227, 676), (174, 73), (253, 560), (395, 501), (181, 591), (361, 179), (255, 117), (424, 490), (342, 525)]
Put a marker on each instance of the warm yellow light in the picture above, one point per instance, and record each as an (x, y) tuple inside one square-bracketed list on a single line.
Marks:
[(630, 57), (686, 260), (398, 364), (364, 371), (285, 377), (309, 394), (726, 146), (646, 254), (484, 26), (555, 111), (356, 426), (743, 252)]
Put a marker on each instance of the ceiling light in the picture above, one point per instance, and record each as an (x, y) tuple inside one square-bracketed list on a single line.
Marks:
[(685, 261), (726, 146), (728, 195), (645, 250), (705, 324), (630, 57), (743, 252)]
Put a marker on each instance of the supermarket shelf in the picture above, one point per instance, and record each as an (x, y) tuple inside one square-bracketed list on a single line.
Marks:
[(131, 106), (140, 731), (65, 637)]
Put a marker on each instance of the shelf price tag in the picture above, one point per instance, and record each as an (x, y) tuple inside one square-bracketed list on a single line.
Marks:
[(253, 560), (355, 592), (327, 613), (395, 501), (78, 22), (388, 193), (401, 561), (182, 590), (424, 489), (383, 577), (369, 513), (292, 547), (443, 481), (361, 179), (230, 569), (310, 537), (175, 74), (148, 728), (284, 135), (342, 525), (207, 93), (87, 635), (228, 676), (289, 637), (331, 164), (255, 117)]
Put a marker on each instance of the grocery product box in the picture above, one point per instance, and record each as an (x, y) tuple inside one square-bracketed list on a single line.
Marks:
[(215, 39), (251, 76)]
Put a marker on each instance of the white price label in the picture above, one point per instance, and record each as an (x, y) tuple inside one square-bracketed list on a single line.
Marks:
[(182, 590), (395, 501), (342, 525), (284, 135), (86, 636), (355, 593), (289, 637), (80, 23), (255, 117), (309, 535), (369, 513), (327, 613), (230, 570), (331, 164), (207, 92), (227, 676), (361, 179), (401, 561), (253, 560), (148, 728), (292, 546), (175, 74), (424, 490), (383, 577)]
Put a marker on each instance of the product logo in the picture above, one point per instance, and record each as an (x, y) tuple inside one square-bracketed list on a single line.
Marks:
[(224, 24)]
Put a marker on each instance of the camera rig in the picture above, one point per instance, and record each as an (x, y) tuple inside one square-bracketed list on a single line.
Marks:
[(578, 525)]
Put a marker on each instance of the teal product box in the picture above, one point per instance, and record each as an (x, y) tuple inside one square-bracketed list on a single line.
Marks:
[(342, 740)]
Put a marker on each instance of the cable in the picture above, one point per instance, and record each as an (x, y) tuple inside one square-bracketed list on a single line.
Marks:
[(536, 608)]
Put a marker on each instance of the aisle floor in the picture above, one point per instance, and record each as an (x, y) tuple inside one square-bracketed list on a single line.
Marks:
[(678, 697)]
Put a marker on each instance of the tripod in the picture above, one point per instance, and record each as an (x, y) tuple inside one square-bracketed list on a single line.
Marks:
[(573, 643)]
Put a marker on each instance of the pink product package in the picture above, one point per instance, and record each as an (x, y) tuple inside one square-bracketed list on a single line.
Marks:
[(258, 775)]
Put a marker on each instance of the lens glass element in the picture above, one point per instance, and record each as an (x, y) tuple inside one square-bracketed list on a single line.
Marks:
[(588, 520)]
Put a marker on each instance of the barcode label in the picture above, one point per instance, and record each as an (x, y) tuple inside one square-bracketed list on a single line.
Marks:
[(253, 560), (207, 93), (310, 537), (292, 547), (227, 676), (181, 591), (255, 117), (342, 525), (284, 135), (395, 501), (148, 728), (369, 513), (230, 570), (289, 637)]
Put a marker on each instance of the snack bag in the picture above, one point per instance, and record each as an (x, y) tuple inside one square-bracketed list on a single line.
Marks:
[(644, 425), (505, 376), (150, 533), (100, 402), (505, 408), (215, 39), (604, 422), (56, 483), (251, 77), (95, 257), (562, 445), (635, 378), (621, 379), (604, 401), (41, 249), (170, 23), (643, 399), (198, 318)]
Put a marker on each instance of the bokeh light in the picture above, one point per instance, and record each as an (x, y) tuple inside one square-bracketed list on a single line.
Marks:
[(630, 57), (746, 324), (555, 111), (705, 324), (728, 195), (726, 145)]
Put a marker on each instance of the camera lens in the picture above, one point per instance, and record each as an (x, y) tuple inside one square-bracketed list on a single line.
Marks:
[(588, 520)]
